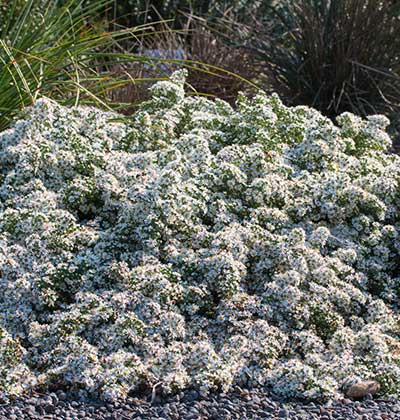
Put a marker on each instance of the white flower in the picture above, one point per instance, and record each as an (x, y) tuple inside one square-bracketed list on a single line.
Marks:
[(198, 245)]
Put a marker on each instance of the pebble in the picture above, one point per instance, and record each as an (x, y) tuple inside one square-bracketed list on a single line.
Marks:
[(283, 414), (362, 389), (239, 404)]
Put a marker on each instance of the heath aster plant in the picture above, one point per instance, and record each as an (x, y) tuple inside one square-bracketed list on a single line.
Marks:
[(198, 246)]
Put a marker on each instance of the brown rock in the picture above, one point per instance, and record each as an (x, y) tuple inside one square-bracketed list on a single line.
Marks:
[(361, 389)]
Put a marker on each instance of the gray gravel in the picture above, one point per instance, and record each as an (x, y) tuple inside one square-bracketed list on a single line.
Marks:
[(239, 404)]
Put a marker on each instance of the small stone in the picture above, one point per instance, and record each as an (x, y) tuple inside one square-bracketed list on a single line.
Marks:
[(156, 400), (62, 396), (269, 409), (31, 408), (192, 395), (54, 398), (361, 389), (283, 414), (49, 408)]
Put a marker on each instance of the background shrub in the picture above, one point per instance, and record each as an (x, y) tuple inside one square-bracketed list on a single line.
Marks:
[(339, 55)]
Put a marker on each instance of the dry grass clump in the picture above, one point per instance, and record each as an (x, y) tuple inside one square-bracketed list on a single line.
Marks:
[(216, 69)]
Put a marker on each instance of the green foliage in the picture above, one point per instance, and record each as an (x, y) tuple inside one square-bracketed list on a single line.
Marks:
[(198, 245)]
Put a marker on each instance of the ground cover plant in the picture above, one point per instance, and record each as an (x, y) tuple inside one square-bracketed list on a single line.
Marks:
[(198, 245)]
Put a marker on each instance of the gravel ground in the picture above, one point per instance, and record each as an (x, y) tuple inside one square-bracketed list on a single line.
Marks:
[(239, 404)]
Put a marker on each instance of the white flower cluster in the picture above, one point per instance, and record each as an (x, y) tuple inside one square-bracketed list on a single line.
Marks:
[(198, 246)]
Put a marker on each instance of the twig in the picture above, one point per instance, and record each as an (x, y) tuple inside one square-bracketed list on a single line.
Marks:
[(153, 392)]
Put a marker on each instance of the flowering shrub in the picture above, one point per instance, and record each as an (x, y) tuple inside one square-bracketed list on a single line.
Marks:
[(198, 246)]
